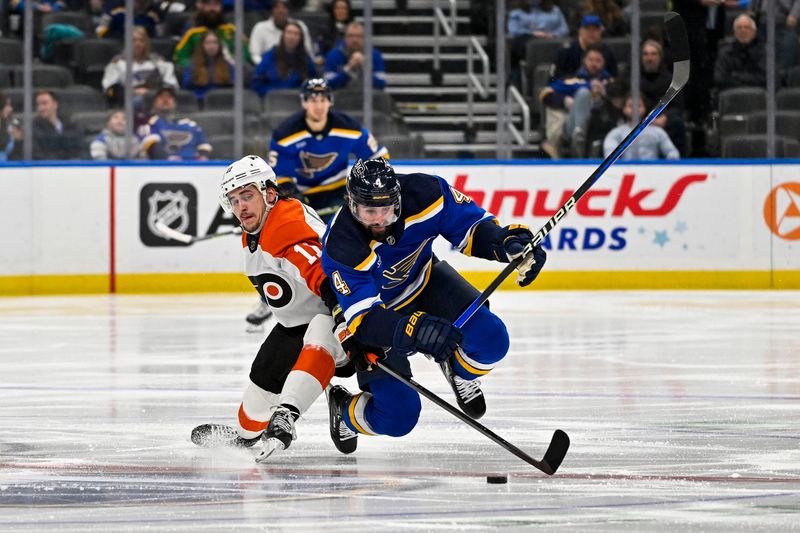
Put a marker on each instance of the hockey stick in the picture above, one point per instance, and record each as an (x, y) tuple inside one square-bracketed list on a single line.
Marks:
[(555, 453), (676, 32), (175, 235)]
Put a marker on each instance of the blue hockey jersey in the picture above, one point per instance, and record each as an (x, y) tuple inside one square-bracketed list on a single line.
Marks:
[(366, 273), (182, 139), (318, 160)]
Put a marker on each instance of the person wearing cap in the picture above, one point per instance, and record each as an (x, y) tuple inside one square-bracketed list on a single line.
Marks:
[(166, 136), (568, 59), (208, 17)]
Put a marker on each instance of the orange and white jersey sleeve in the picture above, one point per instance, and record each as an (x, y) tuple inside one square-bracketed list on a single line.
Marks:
[(283, 262)]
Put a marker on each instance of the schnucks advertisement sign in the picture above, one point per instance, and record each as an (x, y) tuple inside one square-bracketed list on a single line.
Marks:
[(639, 226)]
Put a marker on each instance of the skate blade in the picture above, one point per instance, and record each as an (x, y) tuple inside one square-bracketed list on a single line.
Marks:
[(270, 447)]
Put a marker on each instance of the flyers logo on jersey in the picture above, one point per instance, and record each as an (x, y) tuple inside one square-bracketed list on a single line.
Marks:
[(399, 272)]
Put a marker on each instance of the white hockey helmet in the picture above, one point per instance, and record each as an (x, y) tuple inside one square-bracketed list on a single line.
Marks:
[(249, 170)]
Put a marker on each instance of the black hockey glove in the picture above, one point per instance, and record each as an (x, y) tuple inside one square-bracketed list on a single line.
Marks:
[(514, 240), (428, 334), (361, 355)]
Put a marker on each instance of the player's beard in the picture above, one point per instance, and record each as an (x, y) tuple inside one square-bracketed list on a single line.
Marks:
[(379, 233)]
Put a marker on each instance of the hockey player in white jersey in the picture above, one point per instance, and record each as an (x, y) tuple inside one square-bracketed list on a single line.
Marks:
[(281, 243)]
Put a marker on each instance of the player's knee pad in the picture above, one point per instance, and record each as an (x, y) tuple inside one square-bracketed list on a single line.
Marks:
[(486, 337), (320, 333), (395, 407)]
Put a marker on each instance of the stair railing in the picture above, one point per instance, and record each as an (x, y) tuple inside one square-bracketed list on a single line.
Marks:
[(440, 24), (523, 137), (473, 82)]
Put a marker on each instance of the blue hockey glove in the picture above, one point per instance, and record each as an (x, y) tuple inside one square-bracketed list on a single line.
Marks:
[(516, 238), (428, 334)]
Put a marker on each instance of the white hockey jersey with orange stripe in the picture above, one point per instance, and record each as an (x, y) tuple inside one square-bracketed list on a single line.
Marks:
[(283, 262)]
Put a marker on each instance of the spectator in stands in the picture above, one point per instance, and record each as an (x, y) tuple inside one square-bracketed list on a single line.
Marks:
[(569, 101), (787, 13), (112, 143), (267, 33), (165, 136), (286, 65), (743, 62), (211, 67), (207, 17), (652, 142), (146, 14), (654, 81), (344, 63), (53, 138), (569, 59), (705, 26), (341, 14), (606, 115), (544, 20), (40, 6), (10, 132), (614, 24), (150, 71)]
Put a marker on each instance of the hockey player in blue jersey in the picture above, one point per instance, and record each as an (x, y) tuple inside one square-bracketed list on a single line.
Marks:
[(310, 149), (309, 152), (396, 295)]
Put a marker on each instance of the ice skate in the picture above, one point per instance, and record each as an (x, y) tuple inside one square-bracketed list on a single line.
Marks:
[(279, 434), (468, 393), (257, 317), (344, 438), (218, 435)]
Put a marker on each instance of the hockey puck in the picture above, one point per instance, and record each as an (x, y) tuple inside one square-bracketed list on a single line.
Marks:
[(497, 479)]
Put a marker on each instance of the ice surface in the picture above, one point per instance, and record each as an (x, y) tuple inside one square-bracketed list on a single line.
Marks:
[(683, 409)]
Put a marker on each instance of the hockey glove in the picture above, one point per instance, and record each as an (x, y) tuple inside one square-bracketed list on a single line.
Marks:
[(514, 240), (428, 334), (361, 355)]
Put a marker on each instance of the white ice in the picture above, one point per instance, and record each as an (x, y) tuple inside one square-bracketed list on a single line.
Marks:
[(683, 409)]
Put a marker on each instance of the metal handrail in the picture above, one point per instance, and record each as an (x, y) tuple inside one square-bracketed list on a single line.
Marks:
[(472, 80), (520, 138), (440, 23)]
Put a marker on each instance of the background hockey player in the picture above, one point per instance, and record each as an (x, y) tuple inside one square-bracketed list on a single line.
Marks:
[(395, 293), (281, 245), (309, 152)]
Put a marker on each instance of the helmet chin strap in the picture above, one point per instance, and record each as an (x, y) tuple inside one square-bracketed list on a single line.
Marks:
[(270, 199)]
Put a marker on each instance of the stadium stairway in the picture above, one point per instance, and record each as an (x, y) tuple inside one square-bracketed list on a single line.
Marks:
[(436, 111)]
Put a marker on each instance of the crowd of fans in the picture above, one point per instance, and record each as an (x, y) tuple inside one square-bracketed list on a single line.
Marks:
[(280, 52), (583, 101)]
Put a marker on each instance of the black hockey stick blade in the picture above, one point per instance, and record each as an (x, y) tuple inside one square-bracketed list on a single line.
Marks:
[(679, 43), (555, 453), (559, 445)]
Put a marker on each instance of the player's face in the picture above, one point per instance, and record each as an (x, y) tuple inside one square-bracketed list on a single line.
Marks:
[(376, 219), (248, 206), (317, 106)]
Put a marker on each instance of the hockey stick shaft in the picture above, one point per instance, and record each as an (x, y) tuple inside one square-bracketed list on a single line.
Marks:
[(552, 458), (676, 32), (175, 235)]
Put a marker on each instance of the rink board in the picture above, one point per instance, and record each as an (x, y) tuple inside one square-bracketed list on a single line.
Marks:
[(90, 228)]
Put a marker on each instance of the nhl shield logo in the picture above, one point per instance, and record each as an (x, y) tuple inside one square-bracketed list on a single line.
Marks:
[(174, 204), (170, 207)]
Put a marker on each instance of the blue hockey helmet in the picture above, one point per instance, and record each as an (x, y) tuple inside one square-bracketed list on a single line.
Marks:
[(315, 86), (373, 183)]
